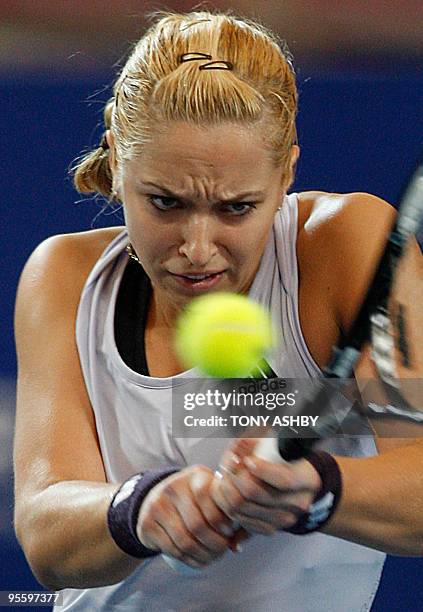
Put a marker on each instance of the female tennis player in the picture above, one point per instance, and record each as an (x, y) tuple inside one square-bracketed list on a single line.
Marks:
[(200, 149)]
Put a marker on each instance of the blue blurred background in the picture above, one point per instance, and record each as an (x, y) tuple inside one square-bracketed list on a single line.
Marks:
[(360, 129)]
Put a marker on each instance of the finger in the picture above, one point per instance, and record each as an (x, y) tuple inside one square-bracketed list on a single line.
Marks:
[(177, 513), (243, 446), (233, 457), (202, 532), (168, 547), (283, 511), (259, 492), (226, 495), (157, 536), (190, 513), (253, 489), (274, 521), (252, 517), (286, 477), (201, 487), (188, 547), (231, 505)]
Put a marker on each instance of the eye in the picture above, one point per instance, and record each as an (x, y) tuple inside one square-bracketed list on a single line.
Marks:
[(163, 203), (239, 209)]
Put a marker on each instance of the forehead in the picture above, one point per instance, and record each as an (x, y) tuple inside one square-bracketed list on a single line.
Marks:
[(213, 152)]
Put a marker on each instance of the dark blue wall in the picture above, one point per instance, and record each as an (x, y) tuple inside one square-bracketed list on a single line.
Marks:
[(358, 132)]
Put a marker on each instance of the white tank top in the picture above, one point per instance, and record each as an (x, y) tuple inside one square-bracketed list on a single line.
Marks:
[(283, 572)]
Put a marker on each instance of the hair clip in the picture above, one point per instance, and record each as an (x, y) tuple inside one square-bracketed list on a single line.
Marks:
[(217, 65), (192, 56)]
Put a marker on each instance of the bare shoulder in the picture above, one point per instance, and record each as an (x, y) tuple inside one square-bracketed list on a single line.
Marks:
[(324, 212), (76, 252), (62, 263), (340, 240), (52, 280)]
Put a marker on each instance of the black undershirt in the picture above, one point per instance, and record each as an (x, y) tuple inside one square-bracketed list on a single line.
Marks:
[(131, 316)]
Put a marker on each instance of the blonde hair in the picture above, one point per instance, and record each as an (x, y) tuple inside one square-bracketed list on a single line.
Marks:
[(255, 82)]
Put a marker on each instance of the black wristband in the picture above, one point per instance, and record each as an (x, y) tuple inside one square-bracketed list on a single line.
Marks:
[(124, 508), (327, 497)]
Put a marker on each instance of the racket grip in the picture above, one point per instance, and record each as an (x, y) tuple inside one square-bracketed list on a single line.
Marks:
[(280, 450), (268, 449)]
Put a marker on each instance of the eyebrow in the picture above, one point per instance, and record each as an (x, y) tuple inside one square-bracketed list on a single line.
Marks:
[(176, 196)]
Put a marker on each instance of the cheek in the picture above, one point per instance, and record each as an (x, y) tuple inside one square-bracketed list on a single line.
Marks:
[(253, 242), (150, 235), (254, 236)]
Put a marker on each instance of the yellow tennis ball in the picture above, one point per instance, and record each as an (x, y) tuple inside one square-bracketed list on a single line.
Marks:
[(224, 334)]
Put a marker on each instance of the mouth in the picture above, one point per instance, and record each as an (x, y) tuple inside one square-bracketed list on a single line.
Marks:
[(199, 282)]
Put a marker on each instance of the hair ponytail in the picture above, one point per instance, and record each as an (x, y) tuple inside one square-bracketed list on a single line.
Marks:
[(91, 173)]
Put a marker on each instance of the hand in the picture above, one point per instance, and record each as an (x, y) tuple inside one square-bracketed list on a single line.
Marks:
[(261, 496), (179, 518)]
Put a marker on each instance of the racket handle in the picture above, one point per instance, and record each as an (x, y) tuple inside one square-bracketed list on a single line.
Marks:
[(268, 449), (280, 450)]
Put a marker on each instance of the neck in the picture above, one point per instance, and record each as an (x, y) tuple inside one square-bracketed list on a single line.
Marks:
[(163, 313)]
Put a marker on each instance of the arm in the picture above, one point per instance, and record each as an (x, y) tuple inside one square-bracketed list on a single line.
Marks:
[(382, 499), (60, 487), (62, 496), (379, 508)]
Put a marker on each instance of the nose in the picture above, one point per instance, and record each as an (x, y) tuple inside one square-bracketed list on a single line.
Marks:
[(198, 244)]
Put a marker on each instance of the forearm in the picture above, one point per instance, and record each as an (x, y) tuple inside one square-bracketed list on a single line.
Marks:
[(381, 501), (65, 537)]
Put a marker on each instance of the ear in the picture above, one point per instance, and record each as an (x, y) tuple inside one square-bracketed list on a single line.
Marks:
[(294, 155)]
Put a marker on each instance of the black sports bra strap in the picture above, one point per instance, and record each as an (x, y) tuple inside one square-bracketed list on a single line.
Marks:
[(131, 317)]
